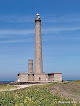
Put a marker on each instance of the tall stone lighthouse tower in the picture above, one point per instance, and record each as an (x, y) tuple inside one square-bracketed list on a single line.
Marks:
[(38, 46), (38, 75)]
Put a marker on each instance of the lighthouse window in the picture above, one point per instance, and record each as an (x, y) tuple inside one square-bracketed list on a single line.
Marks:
[(37, 16)]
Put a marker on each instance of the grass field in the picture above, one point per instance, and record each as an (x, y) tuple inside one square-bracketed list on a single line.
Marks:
[(69, 90), (6, 87), (43, 95)]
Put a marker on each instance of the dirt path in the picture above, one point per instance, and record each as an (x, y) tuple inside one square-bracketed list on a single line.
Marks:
[(23, 86)]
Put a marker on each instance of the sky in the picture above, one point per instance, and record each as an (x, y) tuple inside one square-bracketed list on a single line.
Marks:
[(60, 31)]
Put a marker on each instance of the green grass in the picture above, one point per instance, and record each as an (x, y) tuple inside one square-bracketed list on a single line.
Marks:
[(75, 82), (6, 87), (39, 95)]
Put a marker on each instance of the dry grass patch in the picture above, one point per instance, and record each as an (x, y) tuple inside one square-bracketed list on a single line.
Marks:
[(68, 89)]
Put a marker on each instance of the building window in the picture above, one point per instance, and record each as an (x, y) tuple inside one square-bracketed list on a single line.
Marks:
[(17, 74)]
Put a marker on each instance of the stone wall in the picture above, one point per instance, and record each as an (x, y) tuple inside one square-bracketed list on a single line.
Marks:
[(57, 76), (30, 77), (40, 77), (22, 77), (38, 47), (50, 77), (25, 77), (30, 66)]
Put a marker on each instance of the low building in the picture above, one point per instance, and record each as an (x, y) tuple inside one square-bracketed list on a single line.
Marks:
[(38, 77)]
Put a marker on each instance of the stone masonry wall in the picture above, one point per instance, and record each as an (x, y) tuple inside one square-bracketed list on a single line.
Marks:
[(30, 77), (23, 77), (30, 66), (40, 77), (38, 47), (57, 76)]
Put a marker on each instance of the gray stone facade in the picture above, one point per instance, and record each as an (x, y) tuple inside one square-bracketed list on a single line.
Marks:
[(38, 75), (50, 77)]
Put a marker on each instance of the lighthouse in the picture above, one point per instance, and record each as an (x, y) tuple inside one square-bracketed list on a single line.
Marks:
[(38, 46), (38, 75)]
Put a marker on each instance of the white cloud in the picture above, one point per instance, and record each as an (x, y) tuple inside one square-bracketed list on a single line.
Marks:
[(68, 18), (16, 19), (17, 32), (52, 38), (55, 30), (50, 18), (17, 41), (47, 30)]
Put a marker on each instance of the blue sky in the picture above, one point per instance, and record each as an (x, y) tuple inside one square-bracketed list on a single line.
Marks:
[(60, 37)]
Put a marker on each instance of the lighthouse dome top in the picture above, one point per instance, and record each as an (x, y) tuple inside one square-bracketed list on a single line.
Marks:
[(37, 15)]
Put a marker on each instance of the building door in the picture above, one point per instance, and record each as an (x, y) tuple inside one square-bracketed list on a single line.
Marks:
[(39, 78)]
